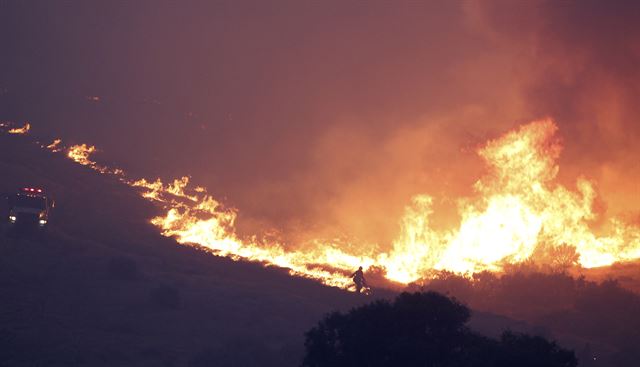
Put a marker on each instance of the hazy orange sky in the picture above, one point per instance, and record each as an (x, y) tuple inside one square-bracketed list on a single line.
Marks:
[(326, 118)]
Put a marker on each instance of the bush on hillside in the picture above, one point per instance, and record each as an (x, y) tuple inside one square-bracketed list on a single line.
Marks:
[(421, 329)]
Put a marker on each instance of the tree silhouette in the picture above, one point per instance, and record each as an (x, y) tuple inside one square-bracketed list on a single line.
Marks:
[(532, 351), (420, 329)]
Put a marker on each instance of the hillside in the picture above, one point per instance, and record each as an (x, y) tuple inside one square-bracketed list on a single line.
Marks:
[(102, 287)]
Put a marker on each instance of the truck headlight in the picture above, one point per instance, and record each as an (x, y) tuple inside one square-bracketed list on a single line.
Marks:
[(12, 218), (43, 222)]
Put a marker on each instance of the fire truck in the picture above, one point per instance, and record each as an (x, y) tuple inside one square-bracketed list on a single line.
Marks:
[(30, 206)]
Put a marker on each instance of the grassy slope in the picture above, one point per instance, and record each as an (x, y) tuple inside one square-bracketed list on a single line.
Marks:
[(66, 299)]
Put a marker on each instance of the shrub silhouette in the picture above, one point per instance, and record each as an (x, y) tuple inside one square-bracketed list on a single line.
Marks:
[(532, 351), (420, 329), (603, 314)]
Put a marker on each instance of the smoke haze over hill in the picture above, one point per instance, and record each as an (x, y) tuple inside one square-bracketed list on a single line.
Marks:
[(325, 119)]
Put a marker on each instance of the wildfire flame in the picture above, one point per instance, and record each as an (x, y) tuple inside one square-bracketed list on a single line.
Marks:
[(81, 153), (16, 130), (55, 146), (203, 221), (518, 211), (155, 189)]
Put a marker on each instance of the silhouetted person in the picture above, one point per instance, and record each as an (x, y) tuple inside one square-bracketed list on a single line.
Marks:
[(358, 279)]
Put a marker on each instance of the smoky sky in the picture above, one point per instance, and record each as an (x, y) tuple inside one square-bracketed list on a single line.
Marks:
[(324, 118)]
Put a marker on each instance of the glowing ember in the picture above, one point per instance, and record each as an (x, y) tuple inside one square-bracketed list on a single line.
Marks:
[(517, 211), (55, 146), (19, 130)]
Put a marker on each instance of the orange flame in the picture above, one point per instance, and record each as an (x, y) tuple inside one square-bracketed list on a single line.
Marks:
[(517, 210), (54, 146), (204, 222), (157, 188), (81, 153), (19, 130)]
